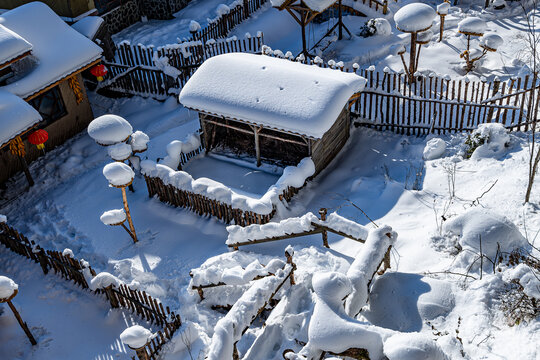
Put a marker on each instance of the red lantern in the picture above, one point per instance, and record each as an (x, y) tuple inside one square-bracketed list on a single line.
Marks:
[(38, 138), (99, 71)]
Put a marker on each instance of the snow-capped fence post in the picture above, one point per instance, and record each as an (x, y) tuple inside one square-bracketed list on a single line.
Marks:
[(8, 290), (42, 257), (442, 11), (136, 338), (322, 213), (385, 7)]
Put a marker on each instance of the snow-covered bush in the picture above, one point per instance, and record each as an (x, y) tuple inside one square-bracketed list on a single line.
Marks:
[(378, 26), (488, 141), (434, 149)]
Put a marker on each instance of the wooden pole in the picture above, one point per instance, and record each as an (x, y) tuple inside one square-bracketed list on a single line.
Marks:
[(303, 25), (257, 145), (141, 353), (340, 28), (322, 213), (20, 320), (412, 60), (441, 29), (26, 171), (128, 214)]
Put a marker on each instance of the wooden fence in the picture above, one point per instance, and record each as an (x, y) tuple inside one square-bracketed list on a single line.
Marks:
[(135, 73), (138, 302)]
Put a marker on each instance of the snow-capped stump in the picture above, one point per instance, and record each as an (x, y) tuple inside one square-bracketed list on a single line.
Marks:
[(104, 280), (68, 253), (139, 142), (491, 41), (119, 152), (8, 288), (490, 140), (443, 8), (480, 230), (194, 26), (473, 26), (414, 17), (109, 129), (113, 217), (412, 346), (118, 174), (434, 149), (136, 337)]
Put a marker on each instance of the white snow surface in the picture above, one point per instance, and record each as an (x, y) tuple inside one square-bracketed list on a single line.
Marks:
[(16, 115), (103, 280), (412, 346), (443, 8), (491, 40), (135, 336), (12, 45), (139, 141), (120, 151), (365, 266), (478, 225), (229, 329), (109, 129), (414, 17), (268, 91), (496, 142), (113, 217), (434, 149), (88, 26), (118, 174), (383, 27), (472, 24), (59, 49), (7, 287)]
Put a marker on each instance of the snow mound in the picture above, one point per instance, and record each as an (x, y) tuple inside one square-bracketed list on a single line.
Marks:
[(113, 217), (135, 336), (412, 346), (194, 26), (443, 8), (491, 228), (109, 129), (7, 287), (491, 41), (3, 218), (473, 25), (139, 141), (119, 152), (526, 277), (118, 174), (176, 148), (414, 17), (382, 26), (434, 149), (68, 253), (12, 45), (496, 140), (103, 280)]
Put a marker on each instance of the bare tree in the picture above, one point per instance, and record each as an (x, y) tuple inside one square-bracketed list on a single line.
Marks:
[(532, 40)]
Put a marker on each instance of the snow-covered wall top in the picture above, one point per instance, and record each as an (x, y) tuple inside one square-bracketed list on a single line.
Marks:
[(16, 115), (88, 26), (292, 176), (273, 92), (59, 49), (315, 5), (12, 45)]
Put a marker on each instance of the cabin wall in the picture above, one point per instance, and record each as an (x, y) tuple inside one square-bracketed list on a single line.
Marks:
[(325, 149), (76, 120)]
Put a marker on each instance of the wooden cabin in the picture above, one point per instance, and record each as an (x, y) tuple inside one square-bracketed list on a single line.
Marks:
[(40, 82), (273, 110)]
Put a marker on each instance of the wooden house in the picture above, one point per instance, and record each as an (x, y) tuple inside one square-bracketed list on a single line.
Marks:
[(273, 110), (65, 8), (41, 61)]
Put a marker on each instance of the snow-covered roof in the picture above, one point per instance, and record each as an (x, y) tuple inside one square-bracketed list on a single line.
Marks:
[(272, 92), (59, 49), (315, 5), (16, 115), (414, 17), (12, 45), (88, 26)]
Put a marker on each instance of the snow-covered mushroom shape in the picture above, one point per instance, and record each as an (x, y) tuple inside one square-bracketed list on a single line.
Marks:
[(331, 329), (136, 337), (413, 18), (109, 129), (120, 175), (473, 26), (113, 217), (119, 152), (442, 10), (491, 41), (8, 290), (139, 141)]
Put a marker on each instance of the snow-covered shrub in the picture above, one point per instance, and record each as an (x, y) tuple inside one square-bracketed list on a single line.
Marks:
[(520, 299), (487, 141), (378, 26), (434, 149)]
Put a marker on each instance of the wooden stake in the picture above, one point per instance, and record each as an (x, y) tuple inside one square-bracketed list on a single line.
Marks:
[(26, 171), (442, 27), (19, 319), (128, 215), (323, 212)]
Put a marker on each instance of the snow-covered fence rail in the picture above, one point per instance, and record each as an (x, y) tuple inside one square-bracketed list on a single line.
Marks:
[(81, 273), (159, 72)]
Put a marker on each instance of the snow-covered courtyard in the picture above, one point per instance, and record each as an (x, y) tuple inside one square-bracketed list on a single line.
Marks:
[(464, 273)]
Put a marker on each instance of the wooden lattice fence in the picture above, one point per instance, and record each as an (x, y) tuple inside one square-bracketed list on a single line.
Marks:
[(137, 301)]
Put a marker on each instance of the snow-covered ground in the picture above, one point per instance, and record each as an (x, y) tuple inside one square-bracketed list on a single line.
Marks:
[(381, 173)]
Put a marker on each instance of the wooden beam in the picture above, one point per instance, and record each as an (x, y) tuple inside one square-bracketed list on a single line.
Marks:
[(275, 238), (47, 88), (294, 16), (9, 62)]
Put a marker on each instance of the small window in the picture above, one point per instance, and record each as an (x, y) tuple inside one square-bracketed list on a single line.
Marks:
[(5, 74), (50, 105)]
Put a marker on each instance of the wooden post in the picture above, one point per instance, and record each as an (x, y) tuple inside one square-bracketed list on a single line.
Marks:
[(128, 214), (26, 171), (112, 297), (141, 352), (441, 29), (303, 25), (412, 60), (385, 7), (322, 213), (257, 145), (289, 261), (246, 9), (42, 257), (340, 28), (19, 319)]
